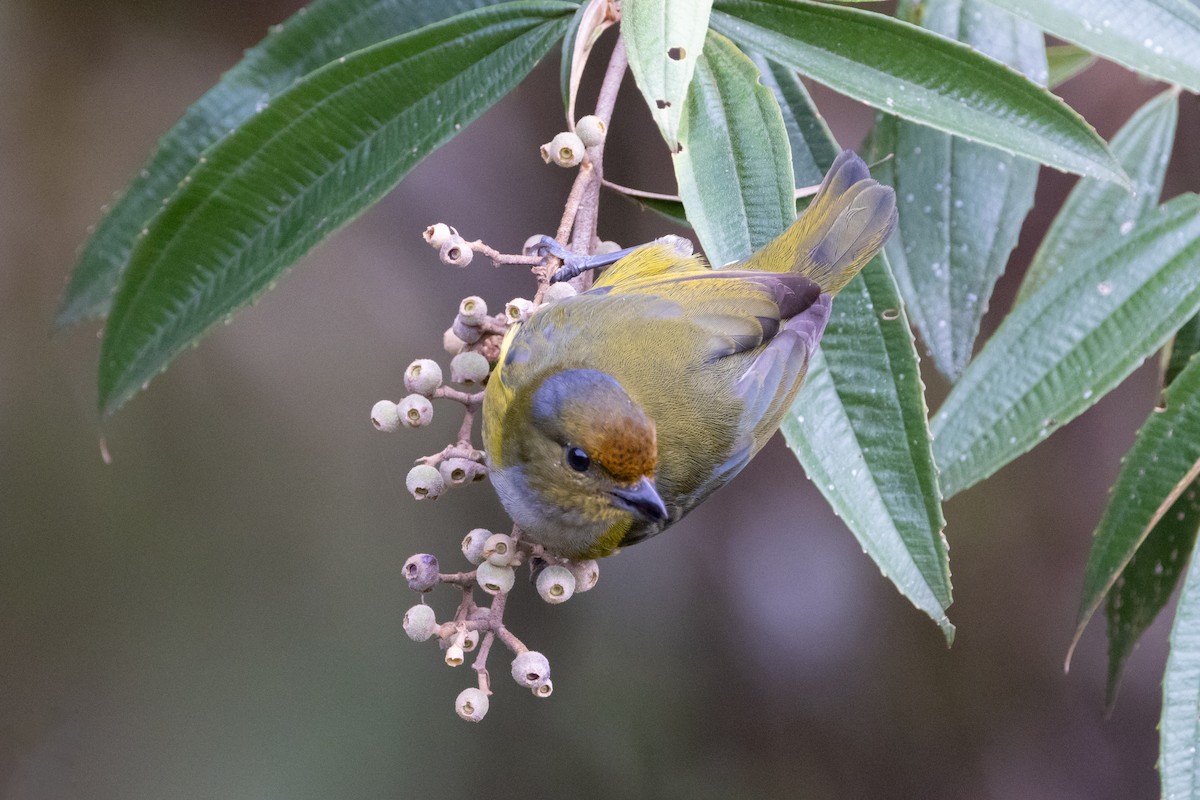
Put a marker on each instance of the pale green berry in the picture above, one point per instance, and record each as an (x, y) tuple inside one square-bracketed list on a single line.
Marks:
[(586, 573), (454, 656), (493, 579), (606, 247), (416, 411), (559, 291), (517, 310), (455, 251), (470, 334), (385, 416), (425, 482), (530, 669), (500, 549), (471, 704), (470, 641), (472, 310), (565, 150), (473, 544), (421, 572), (423, 376), (469, 367), (591, 130), (556, 584), (460, 471), (436, 235), (545, 690), (419, 622), (451, 343)]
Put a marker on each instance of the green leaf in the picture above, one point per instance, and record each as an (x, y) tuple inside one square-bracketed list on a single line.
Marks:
[(1147, 582), (1179, 729), (813, 148), (859, 425), (734, 169), (961, 203), (313, 37), (1095, 209), (1065, 61), (321, 153), (1184, 344), (920, 76), (664, 39), (1163, 462), (1159, 38), (1071, 342)]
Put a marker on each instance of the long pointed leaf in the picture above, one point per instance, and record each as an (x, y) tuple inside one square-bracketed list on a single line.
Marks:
[(315, 36), (1163, 462), (1074, 340), (961, 203), (734, 170), (664, 39), (859, 425), (1146, 582), (1179, 730), (1159, 38), (918, 75), (320, 154), (1095, 209)]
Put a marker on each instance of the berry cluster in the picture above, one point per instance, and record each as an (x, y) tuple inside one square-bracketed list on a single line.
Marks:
[(473, 340)]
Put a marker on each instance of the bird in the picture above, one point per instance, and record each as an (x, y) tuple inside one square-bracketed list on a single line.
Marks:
[(613, 413)]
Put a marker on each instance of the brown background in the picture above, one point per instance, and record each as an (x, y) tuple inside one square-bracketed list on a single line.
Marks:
[(217, 613)]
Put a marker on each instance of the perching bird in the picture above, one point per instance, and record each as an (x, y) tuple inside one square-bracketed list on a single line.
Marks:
[(613, 413)]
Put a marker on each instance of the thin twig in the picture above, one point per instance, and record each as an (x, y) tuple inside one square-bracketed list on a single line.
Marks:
[(589, 206)]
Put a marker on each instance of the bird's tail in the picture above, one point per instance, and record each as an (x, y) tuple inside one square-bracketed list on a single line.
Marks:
[(843, 228)]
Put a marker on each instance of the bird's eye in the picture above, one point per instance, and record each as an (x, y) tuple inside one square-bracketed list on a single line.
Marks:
[(577, 459)]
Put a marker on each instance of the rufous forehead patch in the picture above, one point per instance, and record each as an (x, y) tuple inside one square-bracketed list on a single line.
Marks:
[(626, 447)]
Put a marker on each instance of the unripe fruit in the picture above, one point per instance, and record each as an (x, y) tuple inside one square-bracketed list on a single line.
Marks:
[(558, 291), (473, 311), (556, 584), (419, 622), (469, 367), (606, 247), (455, 251), (385, 416), (499, 549), (470, 334), (460, 471), (473, 544), (530, 669), (565, 150), (454, 656), (416, 411), (421, 572), (451, 343), (591, 130), (586, 573), (437, 234), (493, 579), (423, 376), (425, 482), (545, 690), (471, 704), (517, 310)]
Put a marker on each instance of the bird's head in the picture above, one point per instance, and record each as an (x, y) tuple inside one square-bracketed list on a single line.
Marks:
[(589, 454)]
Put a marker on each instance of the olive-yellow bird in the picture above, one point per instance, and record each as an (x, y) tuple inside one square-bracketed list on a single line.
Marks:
[(613, 413)]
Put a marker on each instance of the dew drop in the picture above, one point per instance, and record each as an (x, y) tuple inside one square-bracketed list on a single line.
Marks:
[(1104, 288), (1126, 227)]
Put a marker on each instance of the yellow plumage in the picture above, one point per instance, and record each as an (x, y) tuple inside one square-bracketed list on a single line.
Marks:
[(667, 376)]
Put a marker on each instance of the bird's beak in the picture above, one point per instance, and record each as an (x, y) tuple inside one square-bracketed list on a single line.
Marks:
[(642, 500)]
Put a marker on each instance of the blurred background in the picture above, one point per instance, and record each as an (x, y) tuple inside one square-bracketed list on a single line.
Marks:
[(217, 613)]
